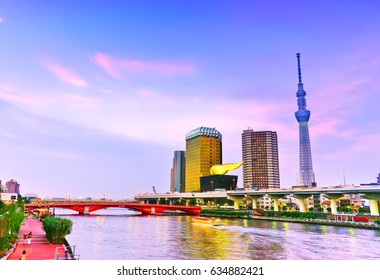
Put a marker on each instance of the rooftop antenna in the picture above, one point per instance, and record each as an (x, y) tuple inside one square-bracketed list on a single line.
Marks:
[(344, 177)]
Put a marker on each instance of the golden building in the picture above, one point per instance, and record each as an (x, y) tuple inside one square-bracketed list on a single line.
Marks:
[(203, 150)]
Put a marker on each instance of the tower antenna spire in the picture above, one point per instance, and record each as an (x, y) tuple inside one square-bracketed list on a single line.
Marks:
[(299, 68)]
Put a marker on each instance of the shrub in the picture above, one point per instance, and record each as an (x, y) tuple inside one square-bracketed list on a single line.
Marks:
[(11, 217), (224, 212), (56, 229), (299, 215), (270, 214)]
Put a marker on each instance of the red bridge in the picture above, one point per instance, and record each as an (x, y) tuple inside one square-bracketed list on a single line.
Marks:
[(88, 207)]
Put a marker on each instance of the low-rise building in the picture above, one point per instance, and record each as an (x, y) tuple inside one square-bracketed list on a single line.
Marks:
[(264, 202), (8, 197)]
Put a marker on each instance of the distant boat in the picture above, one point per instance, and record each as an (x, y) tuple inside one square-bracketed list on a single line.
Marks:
[(203, 221)]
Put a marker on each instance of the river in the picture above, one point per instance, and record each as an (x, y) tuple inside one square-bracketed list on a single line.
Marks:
[(120, 234)]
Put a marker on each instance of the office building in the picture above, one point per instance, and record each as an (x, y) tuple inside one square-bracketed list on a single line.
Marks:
[(260, 157), (306, 174), (177, 182), (12, 187), (203, 150)]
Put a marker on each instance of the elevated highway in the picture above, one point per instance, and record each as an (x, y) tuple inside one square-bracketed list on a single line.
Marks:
[(372, 193)]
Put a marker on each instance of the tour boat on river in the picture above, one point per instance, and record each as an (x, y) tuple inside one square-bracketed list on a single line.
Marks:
[(206, 221)]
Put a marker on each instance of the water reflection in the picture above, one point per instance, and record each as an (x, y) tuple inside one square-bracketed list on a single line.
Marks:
[(121, 234)]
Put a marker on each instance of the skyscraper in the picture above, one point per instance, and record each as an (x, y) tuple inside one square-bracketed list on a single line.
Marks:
[(260, 157), (177, 182), (306, 174), (203, 150)]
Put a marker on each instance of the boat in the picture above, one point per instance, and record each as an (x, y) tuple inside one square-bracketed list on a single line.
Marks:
[(206, 221)]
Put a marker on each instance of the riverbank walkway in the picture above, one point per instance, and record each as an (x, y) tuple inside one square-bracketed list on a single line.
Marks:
[(40, 248)]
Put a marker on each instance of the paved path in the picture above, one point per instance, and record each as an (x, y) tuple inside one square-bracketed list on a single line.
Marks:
[(39, 249)]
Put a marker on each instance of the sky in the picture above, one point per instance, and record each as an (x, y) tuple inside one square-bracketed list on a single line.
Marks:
[(95, 96)]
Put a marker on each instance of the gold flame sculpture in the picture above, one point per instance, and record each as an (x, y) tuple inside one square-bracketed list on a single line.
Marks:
[(221, 169)]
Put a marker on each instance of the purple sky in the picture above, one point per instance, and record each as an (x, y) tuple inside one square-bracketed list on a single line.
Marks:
[(95, 98)]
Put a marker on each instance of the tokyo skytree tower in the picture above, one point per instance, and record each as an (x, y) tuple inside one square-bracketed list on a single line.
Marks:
[(306, 174)]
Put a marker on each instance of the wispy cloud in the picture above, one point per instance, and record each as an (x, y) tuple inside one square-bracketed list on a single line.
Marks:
[(81, 101), (1, 20), (52, 153), (360, 146), (15, 95), (119, 68), (325, 127), (66, 75)]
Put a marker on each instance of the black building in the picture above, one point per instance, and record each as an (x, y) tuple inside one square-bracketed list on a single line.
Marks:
[(215, 182)]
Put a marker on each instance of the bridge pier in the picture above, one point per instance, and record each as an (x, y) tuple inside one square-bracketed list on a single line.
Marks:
[(275, 201), (236, 201), (374, 207), (373, 204), (333, 198), (254, 201), (301, 198)]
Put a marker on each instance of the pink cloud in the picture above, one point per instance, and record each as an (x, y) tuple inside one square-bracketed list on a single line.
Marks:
[(121, 67), (81, 101), (65, 75), (106, 91), (325, 127), (13, 94), (366, 145), (8, 88)]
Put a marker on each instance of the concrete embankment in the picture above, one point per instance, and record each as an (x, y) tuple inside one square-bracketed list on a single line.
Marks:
[(303, 221)]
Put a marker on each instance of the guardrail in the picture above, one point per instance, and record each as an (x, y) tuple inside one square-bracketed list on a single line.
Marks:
[(66, 253)]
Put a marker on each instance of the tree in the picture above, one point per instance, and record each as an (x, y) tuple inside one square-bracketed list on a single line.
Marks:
[(11, 217)]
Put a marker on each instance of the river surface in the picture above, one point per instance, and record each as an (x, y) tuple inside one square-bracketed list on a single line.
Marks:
[(120, 234)]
